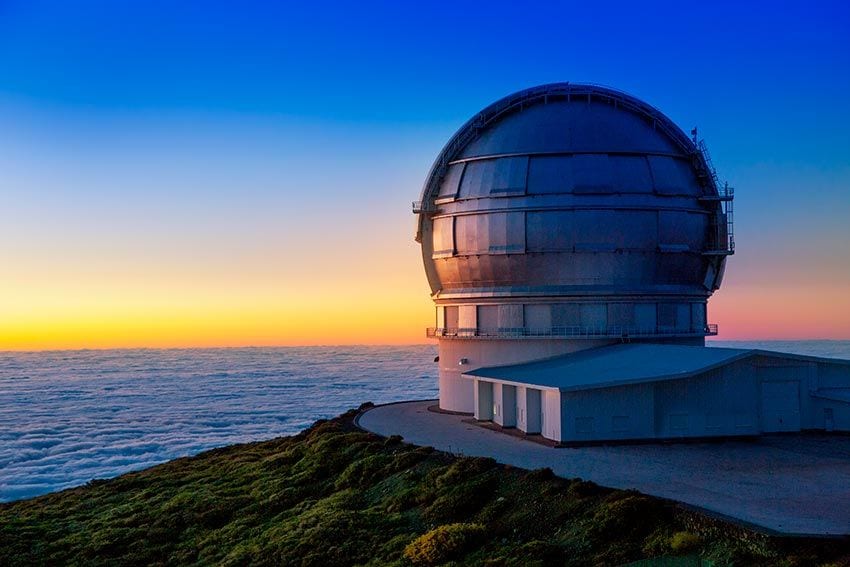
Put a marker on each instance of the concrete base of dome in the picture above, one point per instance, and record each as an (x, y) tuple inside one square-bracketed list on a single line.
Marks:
[(456, 393)]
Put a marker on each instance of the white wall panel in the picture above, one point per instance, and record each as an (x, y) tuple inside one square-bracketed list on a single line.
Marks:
[(538, 316), (510, 316), (609, 413), (488, 317), (467, 316), (594, 315), (646, 316), (483, 400), (551, 414)]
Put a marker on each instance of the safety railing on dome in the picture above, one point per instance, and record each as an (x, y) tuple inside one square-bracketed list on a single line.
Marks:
[(423, 207), (574, 332), (703, 148), (724, 227)]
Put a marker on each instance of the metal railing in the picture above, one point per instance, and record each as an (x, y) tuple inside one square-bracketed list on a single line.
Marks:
[(724, 234), (423, 207), (727, 198), (723, 223), (703, 148), (573, 332)]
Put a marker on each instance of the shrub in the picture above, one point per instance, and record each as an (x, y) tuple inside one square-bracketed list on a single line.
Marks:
[(683, 542), (585, 489), (460, 502), (626, 513), (463, 470), (443, 543), (364, 472), (393, 440), (543, 474), (657, 543)]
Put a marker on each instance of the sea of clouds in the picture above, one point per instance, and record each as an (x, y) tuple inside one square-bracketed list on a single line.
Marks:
[(67, 417)]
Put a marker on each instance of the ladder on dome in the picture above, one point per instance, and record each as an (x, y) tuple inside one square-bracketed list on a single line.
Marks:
[(723, 224)]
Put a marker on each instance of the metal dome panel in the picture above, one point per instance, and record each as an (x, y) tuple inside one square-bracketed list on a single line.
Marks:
[(576, 125), (567, 196)]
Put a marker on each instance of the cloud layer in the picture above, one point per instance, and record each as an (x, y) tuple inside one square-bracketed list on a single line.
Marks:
[(67, 417)]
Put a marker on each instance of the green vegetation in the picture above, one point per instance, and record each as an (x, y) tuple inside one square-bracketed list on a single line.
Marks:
[(443, 543), (683, 542), (335, 495)]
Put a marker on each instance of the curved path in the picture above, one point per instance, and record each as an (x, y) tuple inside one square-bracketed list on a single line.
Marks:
[(790, 484)]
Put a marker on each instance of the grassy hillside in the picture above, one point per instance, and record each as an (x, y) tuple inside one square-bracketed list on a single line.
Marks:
[(335, 495)]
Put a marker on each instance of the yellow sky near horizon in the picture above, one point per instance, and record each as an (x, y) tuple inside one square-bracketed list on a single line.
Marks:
[(115, 312), (147, 314)]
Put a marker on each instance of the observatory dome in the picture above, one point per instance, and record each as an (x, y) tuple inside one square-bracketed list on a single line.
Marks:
[(571, 189), (569, 211)]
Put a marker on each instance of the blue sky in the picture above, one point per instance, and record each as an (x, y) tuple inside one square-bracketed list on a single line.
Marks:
[(199, 139)]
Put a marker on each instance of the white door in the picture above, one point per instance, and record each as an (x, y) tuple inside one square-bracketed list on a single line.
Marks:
[(780, 406)]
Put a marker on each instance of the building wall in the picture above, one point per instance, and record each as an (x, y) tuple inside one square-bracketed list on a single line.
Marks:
[(829, 414), (786, 385), (504, 404), (722, 402), (456, 393), (498, 403), (550, 414), (759, 394), (611, 413), (833, 375), (824, 412), (483, 397), (528, 409), (522, 408), (504, 400)]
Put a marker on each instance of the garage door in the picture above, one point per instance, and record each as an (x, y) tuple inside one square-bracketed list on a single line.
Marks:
[(780, 406)]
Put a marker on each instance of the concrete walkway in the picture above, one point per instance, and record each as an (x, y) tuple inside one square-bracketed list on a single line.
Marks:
[(790, 484)]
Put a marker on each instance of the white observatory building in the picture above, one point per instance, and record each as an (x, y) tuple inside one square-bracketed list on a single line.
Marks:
[(572, 235)]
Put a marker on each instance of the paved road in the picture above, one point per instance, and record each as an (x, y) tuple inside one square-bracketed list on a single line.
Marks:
[(790, 484)]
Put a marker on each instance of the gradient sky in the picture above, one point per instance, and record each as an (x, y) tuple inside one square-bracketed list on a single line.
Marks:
[(212, 174)]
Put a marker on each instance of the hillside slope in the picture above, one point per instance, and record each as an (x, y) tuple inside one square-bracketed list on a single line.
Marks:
[(336, 495)]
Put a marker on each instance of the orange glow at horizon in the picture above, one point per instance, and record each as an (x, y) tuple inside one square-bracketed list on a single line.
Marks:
[(217, 321), (182, 318), (315, 299), (792, 312), (329, 297)]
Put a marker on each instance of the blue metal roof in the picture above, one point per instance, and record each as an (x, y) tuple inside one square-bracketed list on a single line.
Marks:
[(618, 365), (614, 365)]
